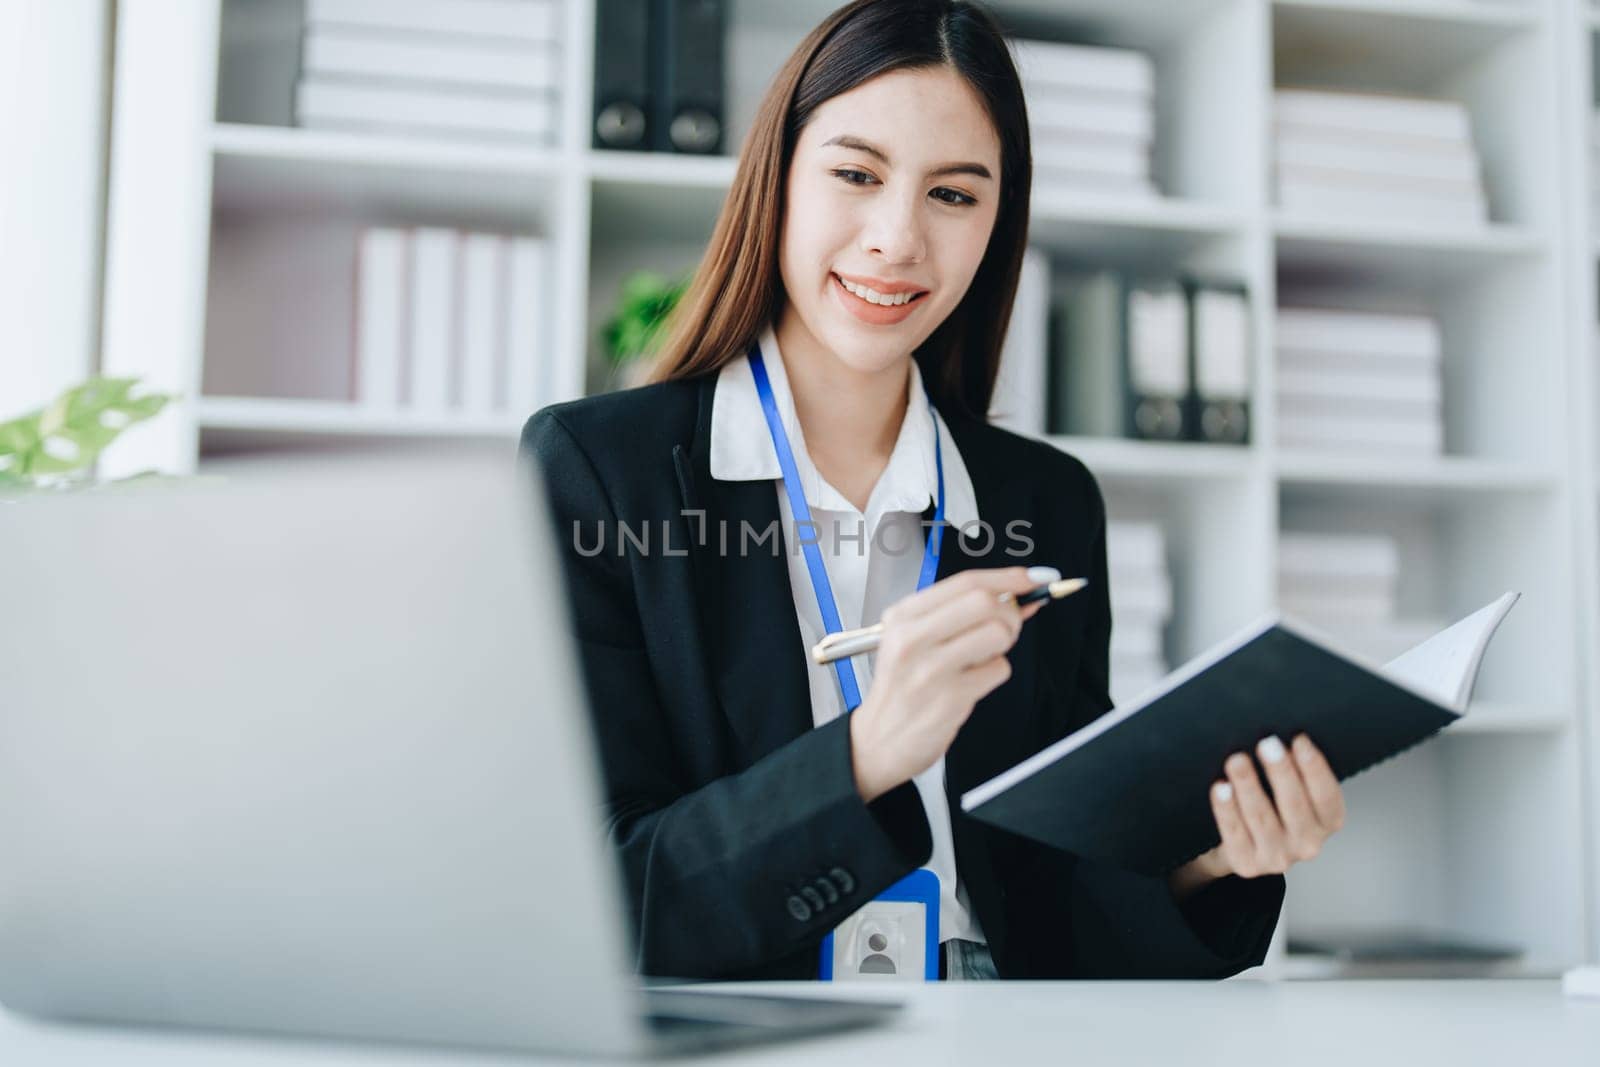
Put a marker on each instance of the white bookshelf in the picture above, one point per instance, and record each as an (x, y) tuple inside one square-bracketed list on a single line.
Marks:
[(1489, 832)]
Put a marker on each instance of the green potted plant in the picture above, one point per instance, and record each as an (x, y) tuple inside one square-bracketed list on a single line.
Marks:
[(631, 334), (56, 446)]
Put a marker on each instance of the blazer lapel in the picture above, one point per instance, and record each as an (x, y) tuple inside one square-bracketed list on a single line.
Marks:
[(746, 605)]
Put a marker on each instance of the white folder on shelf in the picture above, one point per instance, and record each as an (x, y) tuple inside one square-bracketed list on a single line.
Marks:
[(481, 321), (433, 291), (527, 312), (382, 268)]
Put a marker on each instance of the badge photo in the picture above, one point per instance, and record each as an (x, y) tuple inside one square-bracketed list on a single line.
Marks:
[(893, 937)]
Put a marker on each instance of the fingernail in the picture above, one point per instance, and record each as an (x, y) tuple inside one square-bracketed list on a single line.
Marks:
[(1238, 763), (1302, 747), (1223, 792), (1041, 575), (1271, 749)]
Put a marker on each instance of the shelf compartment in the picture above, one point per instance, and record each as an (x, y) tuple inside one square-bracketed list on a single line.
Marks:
[(280, 171), (1450, 836), (1493, 62), (1457, 552), (1409, 45), (1502, 369), (1218, 529)]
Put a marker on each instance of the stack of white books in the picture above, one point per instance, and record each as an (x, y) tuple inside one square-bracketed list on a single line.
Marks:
[(1141, 606), (485, 69), (1091, 116), (1345, 585), (1357, 381), (1372, 156), (1338, 577), (451, 323)]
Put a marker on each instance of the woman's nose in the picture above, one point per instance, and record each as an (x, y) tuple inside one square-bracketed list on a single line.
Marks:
[(894, 230)]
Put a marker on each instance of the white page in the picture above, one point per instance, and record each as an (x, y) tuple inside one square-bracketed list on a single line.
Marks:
[(1446, 664)]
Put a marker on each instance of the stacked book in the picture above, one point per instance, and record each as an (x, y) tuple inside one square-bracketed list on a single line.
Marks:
[(485, 69), (1091, 116), (1354, 381), (1345, 585), (1141, 606), (1377, 157), (451, 323)]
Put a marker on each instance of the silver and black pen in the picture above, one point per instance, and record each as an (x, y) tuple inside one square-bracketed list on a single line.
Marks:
[(865, 639)]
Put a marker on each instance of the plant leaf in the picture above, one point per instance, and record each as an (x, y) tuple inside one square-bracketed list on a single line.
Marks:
[(70, 433)]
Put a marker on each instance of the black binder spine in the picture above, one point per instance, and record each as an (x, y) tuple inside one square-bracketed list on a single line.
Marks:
[(1219, 398), (687, 76), (622, 101)]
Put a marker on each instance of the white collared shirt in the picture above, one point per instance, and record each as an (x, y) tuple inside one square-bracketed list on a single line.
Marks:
[(872, 558)]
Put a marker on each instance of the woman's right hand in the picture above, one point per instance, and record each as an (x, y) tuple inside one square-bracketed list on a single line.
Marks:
[(943, 649)]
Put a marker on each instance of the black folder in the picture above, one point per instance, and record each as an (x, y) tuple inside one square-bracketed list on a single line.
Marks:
[(622, 101), (1132, 787), (687, 38)]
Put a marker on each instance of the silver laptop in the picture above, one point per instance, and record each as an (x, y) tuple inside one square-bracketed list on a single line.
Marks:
[(303, 749)]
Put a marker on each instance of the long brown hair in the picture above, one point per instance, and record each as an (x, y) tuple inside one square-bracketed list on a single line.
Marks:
[(737, 289)]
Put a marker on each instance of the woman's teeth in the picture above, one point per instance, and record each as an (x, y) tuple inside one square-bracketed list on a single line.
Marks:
[(872, 296)]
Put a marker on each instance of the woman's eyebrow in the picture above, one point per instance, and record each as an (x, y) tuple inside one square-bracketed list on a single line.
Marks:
[(846, 140)]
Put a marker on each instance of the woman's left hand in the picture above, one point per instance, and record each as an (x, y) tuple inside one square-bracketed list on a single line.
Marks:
[(1264, 834)]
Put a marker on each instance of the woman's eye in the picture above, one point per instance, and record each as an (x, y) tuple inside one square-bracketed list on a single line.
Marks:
[(957, 198), (849, 175)]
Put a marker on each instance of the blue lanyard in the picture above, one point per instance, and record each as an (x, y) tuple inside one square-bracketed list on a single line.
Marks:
[(802, 514)]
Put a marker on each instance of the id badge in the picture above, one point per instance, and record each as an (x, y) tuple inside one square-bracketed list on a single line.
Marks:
[(893, 937)]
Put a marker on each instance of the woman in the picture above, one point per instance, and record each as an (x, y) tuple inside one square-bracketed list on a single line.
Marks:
[(845, 326)]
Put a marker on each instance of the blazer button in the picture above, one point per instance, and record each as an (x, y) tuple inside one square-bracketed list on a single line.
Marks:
[(813, 898), (843, 879), (828, 890), (799, 909)]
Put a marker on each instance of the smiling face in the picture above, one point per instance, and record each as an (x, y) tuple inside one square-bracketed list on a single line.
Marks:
[(892, 193)]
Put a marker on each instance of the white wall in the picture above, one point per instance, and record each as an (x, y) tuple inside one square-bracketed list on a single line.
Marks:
[(53, 71)]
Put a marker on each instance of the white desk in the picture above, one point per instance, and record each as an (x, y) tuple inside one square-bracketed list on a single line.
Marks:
[(999, 1024)]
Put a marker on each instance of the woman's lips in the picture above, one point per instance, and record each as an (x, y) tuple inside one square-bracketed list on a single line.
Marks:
[(870, 313)]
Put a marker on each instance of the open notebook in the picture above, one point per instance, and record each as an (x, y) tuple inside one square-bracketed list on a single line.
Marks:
[(1131, 787)]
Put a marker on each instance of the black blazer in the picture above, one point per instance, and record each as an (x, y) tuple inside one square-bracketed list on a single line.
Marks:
[(741, 835)]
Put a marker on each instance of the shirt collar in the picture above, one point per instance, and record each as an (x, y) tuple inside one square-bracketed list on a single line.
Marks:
[(741, 445)]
